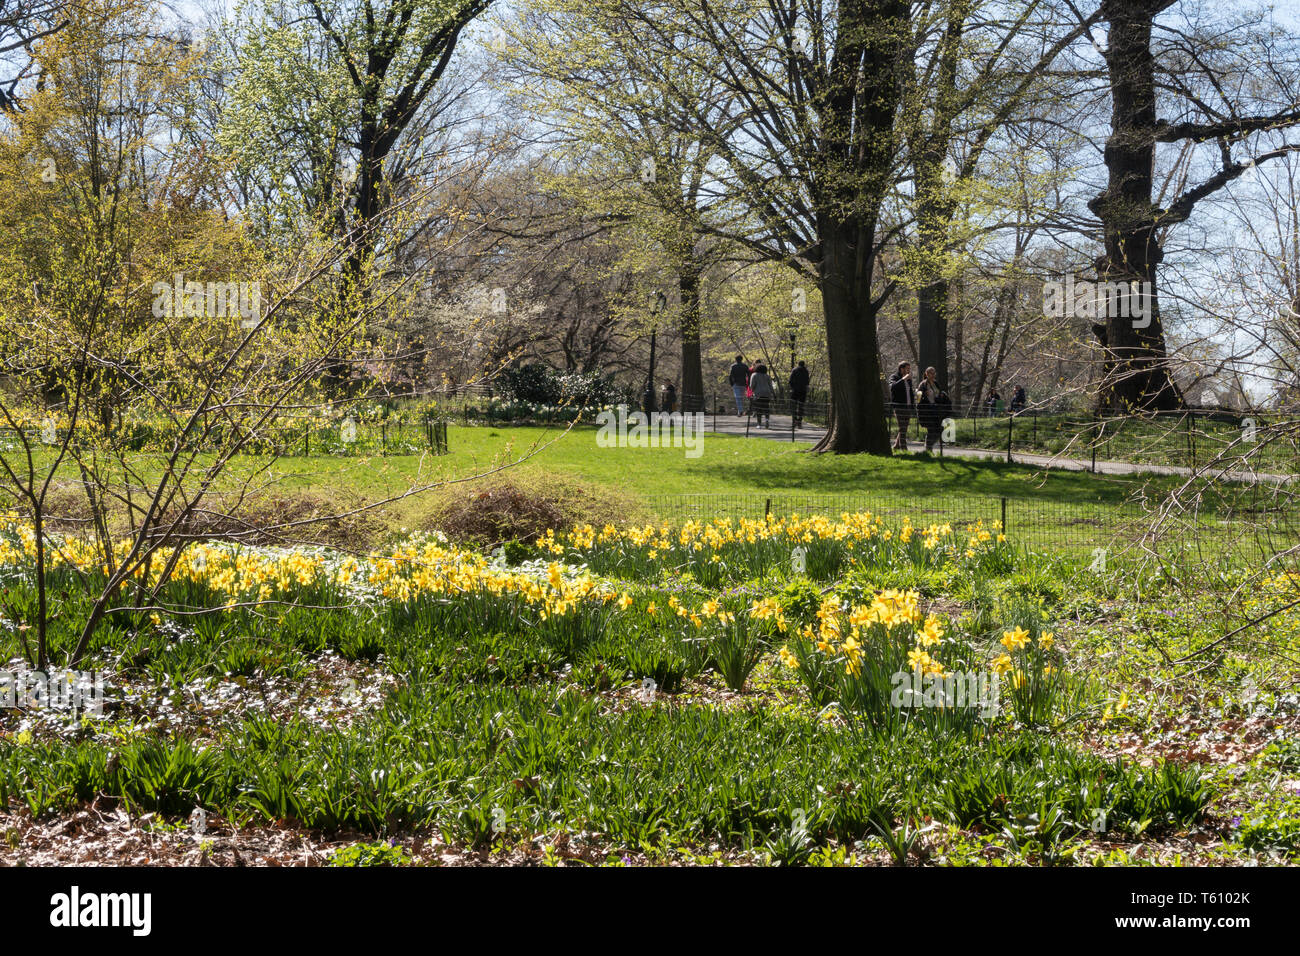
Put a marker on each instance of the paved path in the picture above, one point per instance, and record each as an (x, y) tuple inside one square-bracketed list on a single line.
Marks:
[(810, 434)]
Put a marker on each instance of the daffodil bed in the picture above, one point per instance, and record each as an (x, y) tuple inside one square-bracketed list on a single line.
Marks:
[(777, 690)]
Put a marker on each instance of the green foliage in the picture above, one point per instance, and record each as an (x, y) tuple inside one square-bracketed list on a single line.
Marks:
[(370, 854), (540, 384), (1272, 825)]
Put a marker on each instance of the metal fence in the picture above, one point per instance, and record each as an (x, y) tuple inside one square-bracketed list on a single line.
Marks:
[(1246, 529), (1190, 438)]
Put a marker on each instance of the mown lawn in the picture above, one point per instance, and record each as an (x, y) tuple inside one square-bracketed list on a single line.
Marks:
[(1052, 510)]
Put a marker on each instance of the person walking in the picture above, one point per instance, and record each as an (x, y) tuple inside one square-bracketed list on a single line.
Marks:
[(798, 393), (739, 380), (902, 397), (669, 403), (764, 392), (930, 401)]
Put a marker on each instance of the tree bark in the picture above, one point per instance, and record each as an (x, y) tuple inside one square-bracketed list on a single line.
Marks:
[(692, 386), (1135, 372), (857, 115), (857, 387)]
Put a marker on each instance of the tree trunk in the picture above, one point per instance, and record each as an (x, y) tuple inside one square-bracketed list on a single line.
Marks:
[(958, 390), (1135, 372), (692, 385), (934, 215), (857, 388), (857, 112), (932, 329)]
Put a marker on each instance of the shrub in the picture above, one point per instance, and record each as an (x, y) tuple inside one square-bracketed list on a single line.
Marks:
[(540, 384), (499, 514), (525, 508)]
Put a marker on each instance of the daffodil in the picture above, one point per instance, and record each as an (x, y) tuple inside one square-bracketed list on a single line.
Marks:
[(1015, 640)]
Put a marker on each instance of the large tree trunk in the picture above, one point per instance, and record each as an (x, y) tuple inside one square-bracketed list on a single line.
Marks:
[(932, 329), (957, 388), (857, 112), (692, 386), (934, 215), (1135, 372), (857, 388)]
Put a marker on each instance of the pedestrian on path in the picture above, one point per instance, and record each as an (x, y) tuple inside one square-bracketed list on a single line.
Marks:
[(764, 392), (902, 397), (931, 402), (798, 393), (739, 379)]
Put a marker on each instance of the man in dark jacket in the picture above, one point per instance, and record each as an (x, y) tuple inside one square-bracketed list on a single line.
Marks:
[(798, 393), (739, 380), (902, 396)]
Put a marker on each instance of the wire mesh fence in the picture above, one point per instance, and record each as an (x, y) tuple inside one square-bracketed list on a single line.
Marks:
[(813, 409), (1239, 531), (1190, 438)]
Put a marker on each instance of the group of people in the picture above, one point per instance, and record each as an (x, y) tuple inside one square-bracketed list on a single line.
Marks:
[(752, 383), (994, 405), (925, 399)]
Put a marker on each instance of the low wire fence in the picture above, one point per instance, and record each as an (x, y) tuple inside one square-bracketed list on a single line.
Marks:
[(1247, 529), (1190, 438), (813, 410)]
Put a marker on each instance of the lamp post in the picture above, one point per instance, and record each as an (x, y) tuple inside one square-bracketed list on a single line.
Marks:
[(657, 302), (794, 409)]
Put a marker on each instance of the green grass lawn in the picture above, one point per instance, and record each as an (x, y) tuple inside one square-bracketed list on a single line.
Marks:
[(1061, 510), (728, 465), (740, 476)]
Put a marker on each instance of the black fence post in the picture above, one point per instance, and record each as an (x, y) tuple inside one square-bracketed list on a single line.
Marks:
[(1004, 515), (1010, 423), (1095, 439)]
